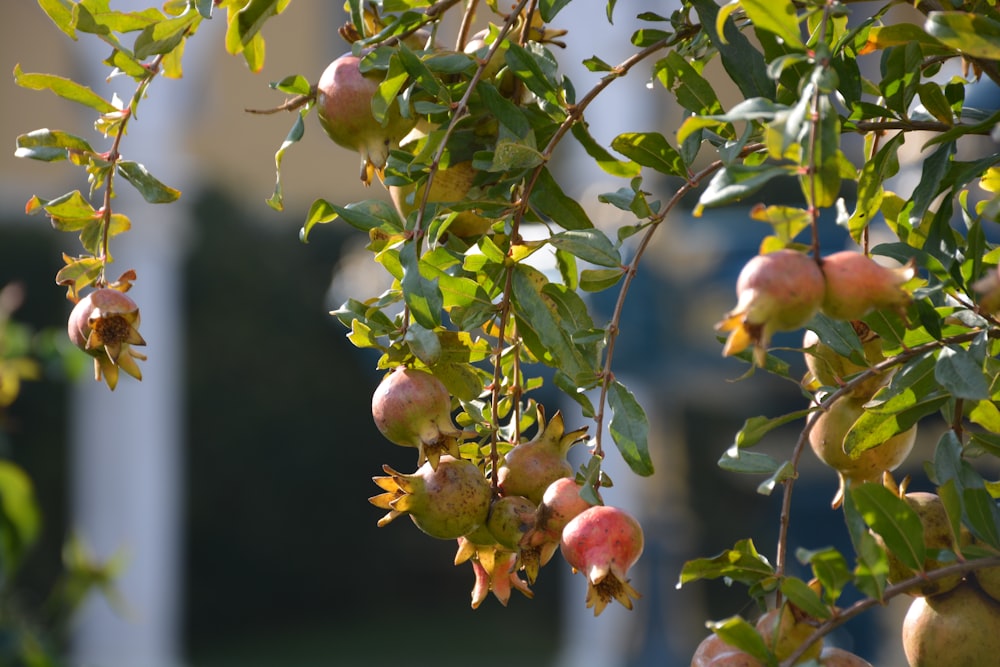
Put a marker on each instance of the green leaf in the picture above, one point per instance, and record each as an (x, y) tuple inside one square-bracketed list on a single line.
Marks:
[(756, 428), (933, 170), (422, 296), (603, 158), (872, 566), (276, 201), (742, 563), (164, 36), (629, 428), (544, 332), (971, 33), (530, 70), (20, 517), (737, 632), (152, 190), (651, 149), (693, 91), (776, 16), (830, 567), (61, 13), (733, 183), (960, 374), (740, 460), (590, 245), (982, 514), (597, 280), (744, 63), (549, 8), (805, 598), (894, 520), (550, 200), (50, 145), (65, 88), (248, 21)]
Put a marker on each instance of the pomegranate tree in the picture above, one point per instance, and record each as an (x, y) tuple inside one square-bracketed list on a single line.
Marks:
[(778, 291), (561, 502), (603, 542)]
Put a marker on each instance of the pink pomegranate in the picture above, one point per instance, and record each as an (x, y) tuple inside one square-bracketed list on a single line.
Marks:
[(446, 502), (412, 408), (105, 325), (344, 104), (530, 467), (778, 291), (560, 503), (603, 542), (856, 285)]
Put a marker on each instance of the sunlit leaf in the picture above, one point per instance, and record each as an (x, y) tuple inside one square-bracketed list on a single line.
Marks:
[(629, 428), (63, 87)]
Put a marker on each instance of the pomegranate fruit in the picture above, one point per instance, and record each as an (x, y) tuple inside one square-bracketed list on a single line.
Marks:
[(827, 441), (412, 408), (446, 502), (785, 629), (713, 651), (560, 503), (961, 627), (603, 542), (451, 184), (509, 519), (938, 535), (344, 105), (778, 291), (530, 467), (856, 285), (988, 578), (988, 290), (105, 325), (829, 368), (832, 656)]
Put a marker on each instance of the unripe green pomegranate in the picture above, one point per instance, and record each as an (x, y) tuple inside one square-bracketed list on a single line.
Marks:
[(446, 502), (785, 629), (105, 325), (829, 368), (937, 536), (778, 291), (450, 185), (509, 519), (603, 542), (531, 466), (412, 408), (344, 105), (961, 627), (856, 285), (827, 441)]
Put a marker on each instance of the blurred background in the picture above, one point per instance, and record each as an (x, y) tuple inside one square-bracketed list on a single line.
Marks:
[(231, 485)]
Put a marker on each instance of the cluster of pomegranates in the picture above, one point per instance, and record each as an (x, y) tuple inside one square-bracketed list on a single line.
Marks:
[(506, 521), (784, 289)]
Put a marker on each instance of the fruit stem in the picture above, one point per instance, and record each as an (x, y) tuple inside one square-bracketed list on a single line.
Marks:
[(114, 157)]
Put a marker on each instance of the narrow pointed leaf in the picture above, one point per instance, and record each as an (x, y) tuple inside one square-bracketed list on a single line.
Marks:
[(894, 520), (63, 87), (151, 189)]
